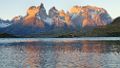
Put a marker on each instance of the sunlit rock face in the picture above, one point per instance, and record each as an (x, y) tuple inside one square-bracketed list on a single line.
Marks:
[(75, 9), (77, 16), (18, 19), (66, 17), (31, 13), (35, 16), (90, 16)]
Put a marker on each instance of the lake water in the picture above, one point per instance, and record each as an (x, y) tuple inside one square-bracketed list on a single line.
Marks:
[(97, 52)]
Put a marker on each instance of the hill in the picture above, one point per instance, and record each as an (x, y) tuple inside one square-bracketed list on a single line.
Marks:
[(111, 30)]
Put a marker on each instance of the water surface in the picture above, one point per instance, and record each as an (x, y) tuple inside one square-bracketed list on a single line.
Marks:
[(59, 53)]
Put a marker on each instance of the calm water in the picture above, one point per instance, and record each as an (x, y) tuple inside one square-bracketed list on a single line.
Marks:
[(60, 53)]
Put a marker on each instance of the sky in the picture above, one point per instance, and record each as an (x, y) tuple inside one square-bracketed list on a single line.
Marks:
[(12, 8)]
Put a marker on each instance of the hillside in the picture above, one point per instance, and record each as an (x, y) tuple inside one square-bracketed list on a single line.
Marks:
[(112, 29)]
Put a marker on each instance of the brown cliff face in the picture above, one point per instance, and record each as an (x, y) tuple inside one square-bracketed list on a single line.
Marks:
[(31, 15), (17, 19), (87, 21), (75, 9), (66, 17), (93, 16)]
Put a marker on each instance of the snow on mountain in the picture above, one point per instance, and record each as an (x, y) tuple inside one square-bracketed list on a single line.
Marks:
[(4, 23), (17, 19)]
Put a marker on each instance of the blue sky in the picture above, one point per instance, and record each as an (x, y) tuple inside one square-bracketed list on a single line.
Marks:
[(11, 8)]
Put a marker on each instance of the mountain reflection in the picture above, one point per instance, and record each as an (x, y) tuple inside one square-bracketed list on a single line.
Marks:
[(70, 54), (32, 56)]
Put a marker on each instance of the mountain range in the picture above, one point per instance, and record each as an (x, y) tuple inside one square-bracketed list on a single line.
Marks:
[(37, 22)]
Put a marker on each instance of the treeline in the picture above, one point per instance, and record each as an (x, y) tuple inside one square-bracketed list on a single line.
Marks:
[(5, 35)]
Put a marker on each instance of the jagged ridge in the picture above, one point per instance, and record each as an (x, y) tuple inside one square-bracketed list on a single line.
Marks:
[(77, 18)]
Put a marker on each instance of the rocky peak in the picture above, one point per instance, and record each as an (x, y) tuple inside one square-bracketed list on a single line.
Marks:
[(32, 11), (53, 12), (42, 12), (65, 16), (17, 18), (75, 9), (41, 5), (62, 13), (31, 14)]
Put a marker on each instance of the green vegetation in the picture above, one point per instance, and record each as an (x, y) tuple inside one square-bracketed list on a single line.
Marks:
[(111, 30), (5, 35)]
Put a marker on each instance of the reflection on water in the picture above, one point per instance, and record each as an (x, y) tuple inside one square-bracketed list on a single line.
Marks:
[(72, 54)]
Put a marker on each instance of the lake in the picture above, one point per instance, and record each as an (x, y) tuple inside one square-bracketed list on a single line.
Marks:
[(86, 52)]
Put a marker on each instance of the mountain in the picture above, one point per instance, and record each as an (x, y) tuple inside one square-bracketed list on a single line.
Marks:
[(4, 23), (111, 30), (37, 21)]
